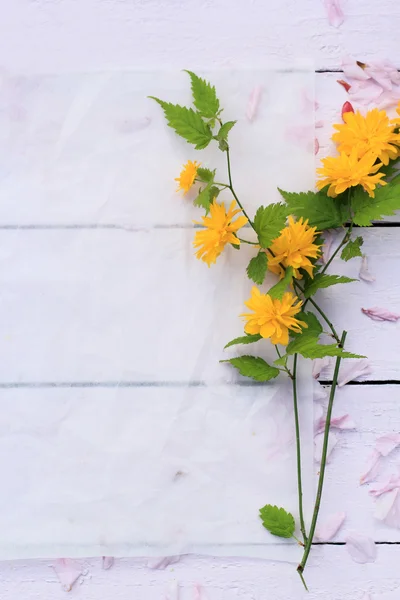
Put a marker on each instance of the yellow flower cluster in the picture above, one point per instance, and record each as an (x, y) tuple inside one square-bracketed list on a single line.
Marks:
[(365, 143)]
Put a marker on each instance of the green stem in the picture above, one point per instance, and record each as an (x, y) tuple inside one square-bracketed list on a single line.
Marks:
[(247, 242), (317, 504), (298, 450), (321, 312), (228, 158), (342, 243)]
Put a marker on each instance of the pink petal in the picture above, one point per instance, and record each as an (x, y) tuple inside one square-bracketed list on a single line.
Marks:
[(172, 592), (326, 530), (343, 83), (197, 592), (353, 370), (365, 92), (318, 444), (329, 237), (107, 562), (335, 13), (385, 486), (319, 364), (352, 70), (371, 468), (361, 548), (319, 419), (300, 135), (253, 103), (387, 508), (127, 126), (388, 99), (387, 443), (343, 422), (163, 562), (319, 392), (364, 273), (316, 146), (68, 572), (347, 107), (384, 73), (319, 124), (380, 314)]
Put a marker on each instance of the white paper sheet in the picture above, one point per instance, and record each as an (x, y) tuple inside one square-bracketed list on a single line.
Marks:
[(120, 431)]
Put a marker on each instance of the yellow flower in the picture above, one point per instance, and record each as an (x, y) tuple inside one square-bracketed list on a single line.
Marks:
[(345, 171), (187, 176), (294, 248), (219, 231), (273, 318), (372, 133)]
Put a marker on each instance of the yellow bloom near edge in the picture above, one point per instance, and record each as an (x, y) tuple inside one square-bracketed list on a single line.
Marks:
[(273, 318), (187, 176), (219, 231)]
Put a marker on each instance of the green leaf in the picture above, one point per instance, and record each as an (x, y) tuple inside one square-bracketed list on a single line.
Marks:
[(324, 281), (204, 198), (277, 521), (385, 202), (307, 345), (281, 361), (244, 339), (257, 268), (277, 291), (214, 192), (314, 326), (223, 145), (186, 123), (204, 96), (269, 221), (321, 211), (254, 367), (352, 249), (205, 175), (224, 130)]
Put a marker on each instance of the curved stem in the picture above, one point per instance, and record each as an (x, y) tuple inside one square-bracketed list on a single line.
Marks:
[(317, 504), (247, 242), (321, 312), (298, 450)]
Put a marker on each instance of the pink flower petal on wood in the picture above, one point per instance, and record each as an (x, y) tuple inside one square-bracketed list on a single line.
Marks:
[(364, 273), (319, 364), (197, 592), (335, 12), (162, 562), (329, 237), (385, 486), (387, 508), (371, 468), (319, 124), (361, 548), (352, 69), (365, 92), (343, 422), (107, 562), (353, 370), (318, 444), (387, 443), (377, 313), (68, 572), (318, 418), (327, 529), (344, 84), (316, 146), (319, 392), (254, 102), (384, 73)]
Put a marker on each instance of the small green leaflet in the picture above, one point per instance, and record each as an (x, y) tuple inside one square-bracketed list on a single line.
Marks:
[(205, 175), (257, 268), (352, 249), (254, 367), (204, 198), (314, 326), (244, 339), (186, 123), (277, 521), (385, 202), (324, 281), (307, 345), (224, 130), (269, 221), (321, 211), (277, 291), (204, 96)]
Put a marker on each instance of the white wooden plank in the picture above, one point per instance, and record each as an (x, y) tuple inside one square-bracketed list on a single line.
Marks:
[(165, 33), (80, 305)]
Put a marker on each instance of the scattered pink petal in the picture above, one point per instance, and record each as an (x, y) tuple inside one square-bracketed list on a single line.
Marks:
[(371, 468), (387, 508), (352, 69), (335, 12), (326, 530), (316, 146), (361, 548), (365, 92), (132, 125), (353, 370), (344, 422), (319, 364), (107, 562), (364, 273), (172, 592), (197, 592), (319, 392), (68, 572), (318, 418), (380, 314), (388, 100), (343, 83), (385, 486), (319, 124), (254, 102), (318, 443), (384, 73), (377, 82), (163, 562), (329, 238), (387, 443), (300, 135)]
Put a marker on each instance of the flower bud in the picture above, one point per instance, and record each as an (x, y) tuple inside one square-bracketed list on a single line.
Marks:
[(347, 107)]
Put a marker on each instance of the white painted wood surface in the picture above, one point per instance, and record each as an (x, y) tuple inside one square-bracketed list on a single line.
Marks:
[(96, 34)]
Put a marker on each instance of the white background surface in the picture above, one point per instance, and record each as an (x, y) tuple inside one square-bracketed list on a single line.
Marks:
[(95, 34)]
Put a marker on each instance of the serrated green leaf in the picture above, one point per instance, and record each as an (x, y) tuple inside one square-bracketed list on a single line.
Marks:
[(204, 198), (224, 130), (186, 123), (321, 211), (223, 145), (352, 249), (205, 175), (204, 96), (269, 221), (314, 326), (307, 345), (244, 339), (214, 192), (277, 521), (277, 291), (324, 281), (254, 367), (281, 361), (257, 268), (385, 203)]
